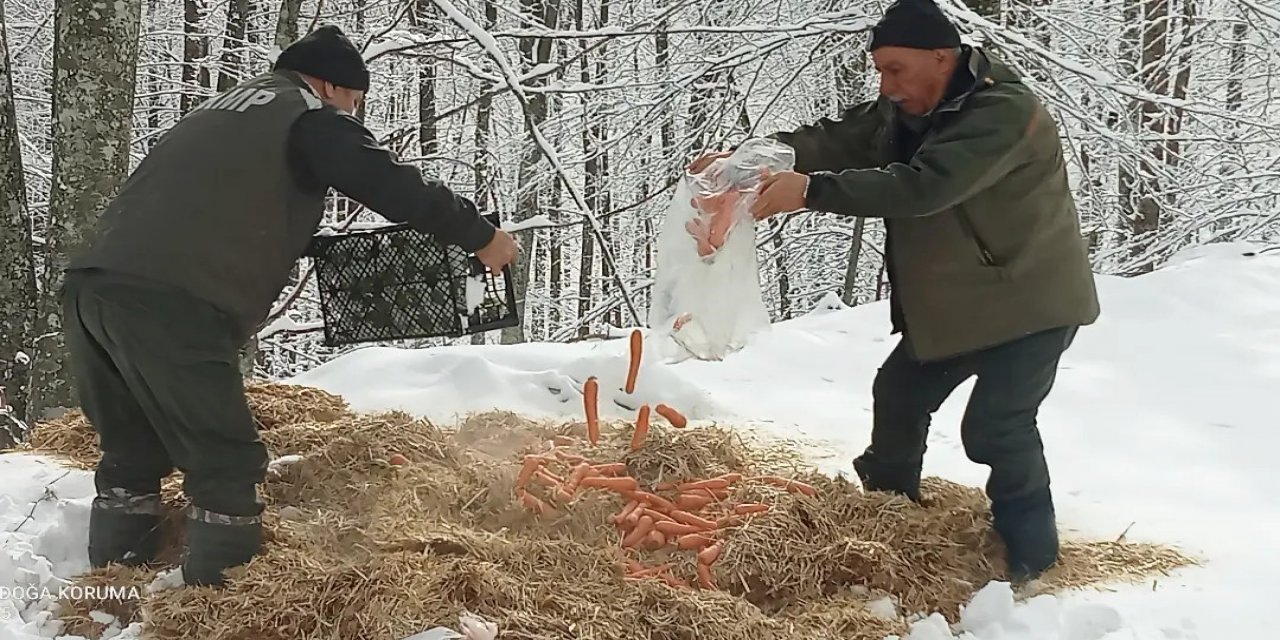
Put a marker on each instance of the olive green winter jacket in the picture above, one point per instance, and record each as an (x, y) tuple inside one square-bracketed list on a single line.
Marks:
[(984, 242)]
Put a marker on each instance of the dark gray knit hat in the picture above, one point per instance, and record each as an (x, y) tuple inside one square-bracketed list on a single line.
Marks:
[(915, 24), (326, 53)]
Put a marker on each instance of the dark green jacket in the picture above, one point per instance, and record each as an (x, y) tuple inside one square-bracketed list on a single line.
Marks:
[(230, 197), (984, 242)]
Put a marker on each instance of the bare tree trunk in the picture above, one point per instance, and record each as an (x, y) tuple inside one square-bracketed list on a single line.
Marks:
[(287, 23), (1155, 78), (17, 266), (536, 51), (780, 263), (235, 68), (484, 124), (95, 61), (195, 49), (850, 89)]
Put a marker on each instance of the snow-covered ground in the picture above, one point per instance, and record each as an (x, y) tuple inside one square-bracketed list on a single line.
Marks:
[(1163, 423)]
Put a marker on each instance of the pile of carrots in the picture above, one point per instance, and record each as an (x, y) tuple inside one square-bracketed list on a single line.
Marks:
[(693, 516)]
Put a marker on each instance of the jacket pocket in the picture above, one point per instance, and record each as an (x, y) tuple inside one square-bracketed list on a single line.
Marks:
[(985, 256)]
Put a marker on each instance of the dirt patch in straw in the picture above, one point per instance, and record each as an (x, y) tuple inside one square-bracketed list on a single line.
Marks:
[(363, 548)]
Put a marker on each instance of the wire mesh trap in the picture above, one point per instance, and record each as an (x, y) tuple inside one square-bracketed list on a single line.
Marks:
[(396, 283)]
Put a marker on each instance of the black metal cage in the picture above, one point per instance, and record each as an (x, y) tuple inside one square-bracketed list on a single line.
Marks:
[(396, 283)]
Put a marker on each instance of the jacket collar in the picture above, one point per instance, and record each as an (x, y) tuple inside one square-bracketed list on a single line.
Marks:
[(980, 71)]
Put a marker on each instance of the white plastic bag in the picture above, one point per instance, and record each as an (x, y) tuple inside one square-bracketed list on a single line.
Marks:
[(706, 293)]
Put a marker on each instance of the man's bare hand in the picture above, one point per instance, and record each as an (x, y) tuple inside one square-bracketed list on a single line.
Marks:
[(781, 192), (500, 252), (697, 166)]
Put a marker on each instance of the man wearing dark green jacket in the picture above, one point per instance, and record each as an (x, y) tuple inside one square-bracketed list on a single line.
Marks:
[(990, 276), (186, 263)]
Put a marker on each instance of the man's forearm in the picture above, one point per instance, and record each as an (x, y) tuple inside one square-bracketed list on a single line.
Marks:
[(341, 153)]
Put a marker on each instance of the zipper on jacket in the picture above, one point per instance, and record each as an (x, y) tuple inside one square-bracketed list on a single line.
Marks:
[(984, 253)]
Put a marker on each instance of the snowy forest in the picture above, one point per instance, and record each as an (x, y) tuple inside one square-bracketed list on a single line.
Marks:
[(583, 114)]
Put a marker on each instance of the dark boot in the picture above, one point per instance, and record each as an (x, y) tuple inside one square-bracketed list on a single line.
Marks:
[(124, 528), (217, 542), (1029, 529), (900, 479)]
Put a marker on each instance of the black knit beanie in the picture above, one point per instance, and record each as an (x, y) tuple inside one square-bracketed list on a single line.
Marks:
[(326, 53), (915, 24)]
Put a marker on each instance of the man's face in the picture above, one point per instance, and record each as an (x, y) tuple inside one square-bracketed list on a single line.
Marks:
[(915, 79), (348, 100)]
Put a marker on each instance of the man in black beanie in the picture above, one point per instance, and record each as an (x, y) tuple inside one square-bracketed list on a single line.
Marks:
[(990, 276), (184, 268)]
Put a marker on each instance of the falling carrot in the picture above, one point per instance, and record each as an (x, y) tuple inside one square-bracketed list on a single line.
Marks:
[(642, 428), (633, 371), (625, 483), (531, 464), (547, 478), (676, 418), (591, 402), (532, 503)]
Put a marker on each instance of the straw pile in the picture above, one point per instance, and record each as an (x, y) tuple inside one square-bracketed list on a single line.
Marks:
[(364, 548)]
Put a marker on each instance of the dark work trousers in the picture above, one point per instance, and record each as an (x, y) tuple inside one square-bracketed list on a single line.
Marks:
[(158, 376), (999, 426)]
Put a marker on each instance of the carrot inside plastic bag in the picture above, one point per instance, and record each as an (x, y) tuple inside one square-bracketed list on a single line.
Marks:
[(707, 296)]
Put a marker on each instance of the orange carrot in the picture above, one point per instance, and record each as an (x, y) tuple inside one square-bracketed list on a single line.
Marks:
[(547, 478), (571, 458), (591, 402), (673, 580), (639, 533), (693, 541), (660, 503), (531, 464), (749, 508), (532, 503), (645, 572), (656, 539), (692, 501), (710, 554), (690, 519), (642, 428), (633, 370), (715, 495), (610, 469), (713, 483), (793, 486), (658, 516), (626, 511), (625, 483), (704, 577), (676, 418), (672, 527)]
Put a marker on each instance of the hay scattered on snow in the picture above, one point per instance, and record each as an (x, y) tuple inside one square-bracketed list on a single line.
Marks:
[(373, 550)]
